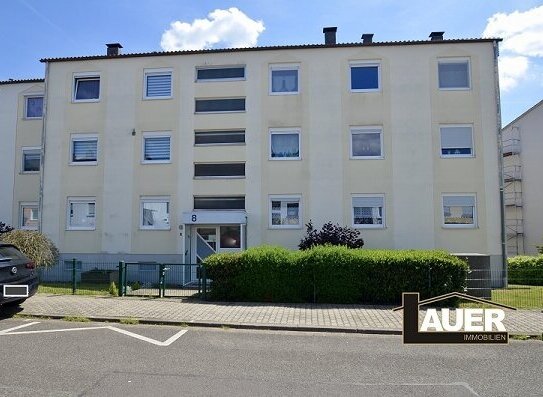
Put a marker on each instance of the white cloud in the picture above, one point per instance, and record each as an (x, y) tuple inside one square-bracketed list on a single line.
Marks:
[(522, 34), (225, 28), (512, 69)]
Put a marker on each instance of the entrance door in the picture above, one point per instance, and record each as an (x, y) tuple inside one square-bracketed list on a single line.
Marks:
[(209, 239)]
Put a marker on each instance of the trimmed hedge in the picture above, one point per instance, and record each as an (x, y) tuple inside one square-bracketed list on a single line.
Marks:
[(332, 274), (527, 270)]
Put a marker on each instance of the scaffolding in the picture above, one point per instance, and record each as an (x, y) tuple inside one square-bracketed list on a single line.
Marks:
[(512, 175)]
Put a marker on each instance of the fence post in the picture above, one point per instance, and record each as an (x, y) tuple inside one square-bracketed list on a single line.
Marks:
[(161, 281), (74, 275), (121, 275)]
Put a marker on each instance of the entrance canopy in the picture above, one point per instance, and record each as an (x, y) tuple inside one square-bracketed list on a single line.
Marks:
[(202, 217)]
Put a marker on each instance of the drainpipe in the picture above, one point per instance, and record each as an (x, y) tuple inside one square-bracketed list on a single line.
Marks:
[(500, 162), (42, 151)]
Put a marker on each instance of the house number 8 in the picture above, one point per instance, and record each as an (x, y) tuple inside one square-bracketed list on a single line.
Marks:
[(194, 218)]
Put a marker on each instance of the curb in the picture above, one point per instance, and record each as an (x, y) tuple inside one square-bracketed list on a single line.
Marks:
[(249, 326)]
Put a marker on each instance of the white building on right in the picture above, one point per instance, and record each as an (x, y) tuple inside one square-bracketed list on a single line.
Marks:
[(523, 176)]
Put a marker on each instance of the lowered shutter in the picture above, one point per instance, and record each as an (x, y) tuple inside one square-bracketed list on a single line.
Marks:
[(368, 202), (157, 148), (159, 85)]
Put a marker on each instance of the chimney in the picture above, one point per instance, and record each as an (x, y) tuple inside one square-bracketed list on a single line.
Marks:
[(436, 36), (113, 49), (329, 35), (367, 38)]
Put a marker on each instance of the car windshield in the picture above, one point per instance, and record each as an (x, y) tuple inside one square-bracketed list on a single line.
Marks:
[(10, 252)]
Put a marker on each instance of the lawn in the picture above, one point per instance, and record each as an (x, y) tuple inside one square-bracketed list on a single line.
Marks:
[(66, 288), (520, 296)]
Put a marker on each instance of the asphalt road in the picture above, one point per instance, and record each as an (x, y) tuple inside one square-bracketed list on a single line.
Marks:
[(105, 362)]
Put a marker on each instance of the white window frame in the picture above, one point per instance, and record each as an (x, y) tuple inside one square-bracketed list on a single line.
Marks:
[(24, 205), (365, 63), (383, 217), (287, 198), (283, 66), (446, 60), (157, 72), (85, 75), (155, 134), (26, 98), (83, 137), (155, 199), (80, 200), (222, 79), (444, 225), (448, 156), (370, 129), (284, 131), (29, 149)]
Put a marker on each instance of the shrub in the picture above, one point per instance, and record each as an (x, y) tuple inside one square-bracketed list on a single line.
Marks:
[(527, 270), (135, 286), (113, 290), (332, 235), (4, 228), (35, 245), (332, 274)]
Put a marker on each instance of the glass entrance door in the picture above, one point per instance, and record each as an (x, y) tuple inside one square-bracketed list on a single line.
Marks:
[(209, 239)]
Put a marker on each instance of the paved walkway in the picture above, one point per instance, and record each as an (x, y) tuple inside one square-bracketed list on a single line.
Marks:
[(349, 318)]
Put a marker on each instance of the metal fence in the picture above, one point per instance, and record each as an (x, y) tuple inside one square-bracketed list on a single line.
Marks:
[(124, 279), (520, 289)]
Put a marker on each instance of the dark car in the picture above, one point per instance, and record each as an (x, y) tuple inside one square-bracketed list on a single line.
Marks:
[(18, 276)]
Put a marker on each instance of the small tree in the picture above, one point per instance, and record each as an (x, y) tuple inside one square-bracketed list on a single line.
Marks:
[(35, 245), (4, 228), (331, 234)]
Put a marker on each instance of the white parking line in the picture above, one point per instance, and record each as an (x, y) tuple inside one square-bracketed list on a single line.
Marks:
[(167, 342), (18, 327)]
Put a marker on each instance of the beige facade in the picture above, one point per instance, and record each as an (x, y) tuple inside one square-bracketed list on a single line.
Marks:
[(522, 146), (399, 185), (20, 151)]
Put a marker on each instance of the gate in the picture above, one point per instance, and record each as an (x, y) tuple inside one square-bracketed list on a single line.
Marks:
[(163, 279)]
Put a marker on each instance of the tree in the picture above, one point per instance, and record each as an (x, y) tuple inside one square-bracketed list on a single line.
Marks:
[(331, 234), (5, 228)]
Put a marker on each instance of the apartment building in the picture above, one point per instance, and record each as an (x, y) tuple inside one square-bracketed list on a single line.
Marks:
[(175, 155), (20, 151), (522, 146)]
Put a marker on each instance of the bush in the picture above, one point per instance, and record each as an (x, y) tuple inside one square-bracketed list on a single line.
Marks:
[(527, 270), (35, 245), (331, 234), (113, 290), (332, 274)]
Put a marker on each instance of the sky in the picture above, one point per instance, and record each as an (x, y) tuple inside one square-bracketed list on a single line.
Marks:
[(35, 29)]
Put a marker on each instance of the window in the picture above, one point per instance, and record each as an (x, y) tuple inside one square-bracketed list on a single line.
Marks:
[(156, 148), (368, 211), (81, 214), (31, 159), (219, 203), (365, 76), (220, 105), (28, 216), (220, 73), (158, 84), (216, 137), (155, 213), (454, 74), (284, 79), (84, 149), (230, 237), (459, 211), (285, 144), (456, 140), (219, 170), (285, 212), (366, 143), (86, 88), (33, 107)]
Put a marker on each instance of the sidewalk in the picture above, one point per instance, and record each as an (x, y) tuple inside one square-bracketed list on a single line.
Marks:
[(303, 317)]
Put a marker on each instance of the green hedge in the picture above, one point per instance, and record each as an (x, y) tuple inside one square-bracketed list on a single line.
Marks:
[(527, 270), (332, 274)]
